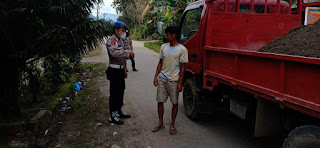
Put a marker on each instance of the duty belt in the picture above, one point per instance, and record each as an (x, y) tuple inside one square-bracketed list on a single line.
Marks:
[(116, 66)]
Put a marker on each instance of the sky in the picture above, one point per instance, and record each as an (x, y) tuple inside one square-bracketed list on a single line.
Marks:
[(105, 7)]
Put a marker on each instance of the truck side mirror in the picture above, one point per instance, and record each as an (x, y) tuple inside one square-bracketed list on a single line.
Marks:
[(159, 27)]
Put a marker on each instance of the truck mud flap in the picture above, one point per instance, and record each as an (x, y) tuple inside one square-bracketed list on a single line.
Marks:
[(268, 119), (238, 108)]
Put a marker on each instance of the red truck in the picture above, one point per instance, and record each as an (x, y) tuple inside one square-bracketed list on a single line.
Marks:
[(225, 70)]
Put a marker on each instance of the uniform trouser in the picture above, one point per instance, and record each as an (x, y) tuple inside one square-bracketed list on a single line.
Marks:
[(133, 63), (117, 86)]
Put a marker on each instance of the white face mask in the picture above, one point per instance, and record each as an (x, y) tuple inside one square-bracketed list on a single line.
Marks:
[(123, 35)]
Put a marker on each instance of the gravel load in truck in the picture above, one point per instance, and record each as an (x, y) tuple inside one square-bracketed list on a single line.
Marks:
[(300, 41)]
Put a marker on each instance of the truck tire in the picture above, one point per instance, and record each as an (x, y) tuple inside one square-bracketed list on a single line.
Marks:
[(303, 137), (190, 99)]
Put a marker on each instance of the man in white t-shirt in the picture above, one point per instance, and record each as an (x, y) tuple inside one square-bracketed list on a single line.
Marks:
[(169, 75)]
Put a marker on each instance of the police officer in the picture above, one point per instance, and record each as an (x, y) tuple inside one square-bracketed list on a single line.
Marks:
[(116, 72), (127, 42)]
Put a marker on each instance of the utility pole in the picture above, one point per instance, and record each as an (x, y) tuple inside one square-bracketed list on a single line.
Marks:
[(98, 7)]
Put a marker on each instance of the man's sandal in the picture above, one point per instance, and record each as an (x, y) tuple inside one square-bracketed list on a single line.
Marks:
[(172, 131), (157, 128)]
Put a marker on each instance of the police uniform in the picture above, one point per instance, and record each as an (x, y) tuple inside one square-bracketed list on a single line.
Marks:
[(116, 76), (127, 44)]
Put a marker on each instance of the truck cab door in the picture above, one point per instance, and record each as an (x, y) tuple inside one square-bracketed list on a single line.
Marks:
[(192, 37)]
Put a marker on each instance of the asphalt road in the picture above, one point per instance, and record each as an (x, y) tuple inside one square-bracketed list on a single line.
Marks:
[(221, 130)]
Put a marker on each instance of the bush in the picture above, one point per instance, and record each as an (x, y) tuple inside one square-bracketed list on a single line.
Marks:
[(57, 71), (156, 36), (154, 45), (144, 31)]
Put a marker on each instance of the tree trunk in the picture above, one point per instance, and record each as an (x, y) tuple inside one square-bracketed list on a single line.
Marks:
[(147, 9), (9, 91)]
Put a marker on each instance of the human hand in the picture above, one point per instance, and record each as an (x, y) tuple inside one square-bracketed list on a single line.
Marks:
[(179, 88), (126, 75), (155, 81), (131, 54)]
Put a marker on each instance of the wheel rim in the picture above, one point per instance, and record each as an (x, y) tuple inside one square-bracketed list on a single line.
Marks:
[(189, 98)]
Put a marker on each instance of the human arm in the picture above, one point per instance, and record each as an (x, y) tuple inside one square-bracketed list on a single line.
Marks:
[(183, 62), (119, 52), (159, 67), (130, 44), (182, 69), (131, 47)]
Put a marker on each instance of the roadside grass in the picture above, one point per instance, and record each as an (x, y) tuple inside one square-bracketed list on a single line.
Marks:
[(64, 91), (83, 94), (153, 45), (53, 101), (85, 107), (67, 89), (96, 51), (97, 69)]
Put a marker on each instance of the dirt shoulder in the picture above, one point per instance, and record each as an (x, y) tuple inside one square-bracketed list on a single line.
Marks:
[(88, 126)]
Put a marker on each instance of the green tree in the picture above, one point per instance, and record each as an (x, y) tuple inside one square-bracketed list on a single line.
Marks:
[(32, 29), (125, 7), (170, 10)]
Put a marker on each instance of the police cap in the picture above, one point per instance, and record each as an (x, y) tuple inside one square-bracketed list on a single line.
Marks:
[(119, 24)]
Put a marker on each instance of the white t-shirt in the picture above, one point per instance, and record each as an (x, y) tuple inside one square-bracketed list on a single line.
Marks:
[(171, 58)]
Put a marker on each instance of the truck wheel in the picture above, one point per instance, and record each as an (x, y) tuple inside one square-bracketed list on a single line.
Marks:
[(303, 137), (190, 99)]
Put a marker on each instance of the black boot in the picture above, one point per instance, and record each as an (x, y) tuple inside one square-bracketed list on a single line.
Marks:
[(134, 69), (114, 118), (123, 114)]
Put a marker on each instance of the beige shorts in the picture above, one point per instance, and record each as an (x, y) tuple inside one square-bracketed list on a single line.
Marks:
[(167, 89)]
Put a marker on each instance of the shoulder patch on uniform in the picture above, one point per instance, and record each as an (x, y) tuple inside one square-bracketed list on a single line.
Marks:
[(113, 42)]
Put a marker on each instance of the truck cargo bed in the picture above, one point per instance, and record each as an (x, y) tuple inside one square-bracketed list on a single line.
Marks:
[(292, 81)]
